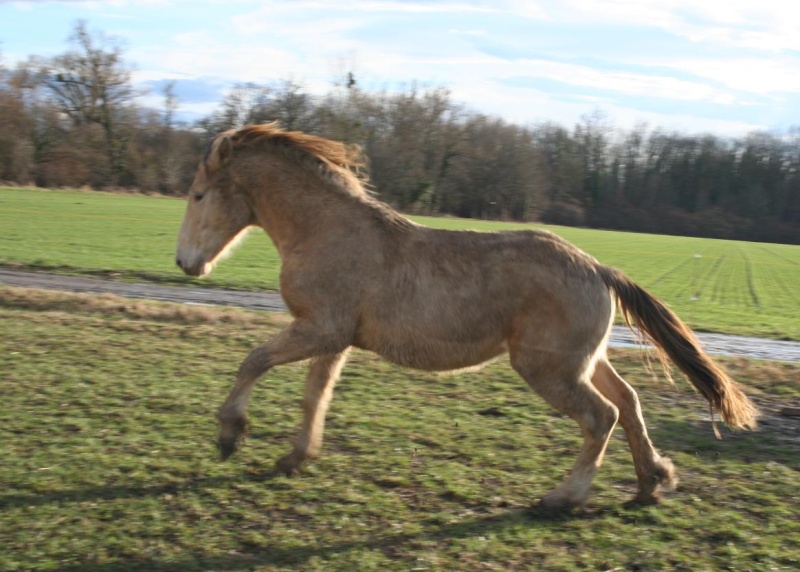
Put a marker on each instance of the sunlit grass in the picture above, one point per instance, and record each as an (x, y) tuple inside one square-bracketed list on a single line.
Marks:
[(109, 461)]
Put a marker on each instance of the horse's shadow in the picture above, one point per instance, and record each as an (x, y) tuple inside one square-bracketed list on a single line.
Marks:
[(293, 555), (104, 493), (775, 439), (491, 522)]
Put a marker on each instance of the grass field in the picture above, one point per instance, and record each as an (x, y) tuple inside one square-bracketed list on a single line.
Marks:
[(109, 462), (714, 285)]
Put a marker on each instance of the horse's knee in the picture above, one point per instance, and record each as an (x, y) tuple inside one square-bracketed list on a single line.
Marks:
[(255, 364)]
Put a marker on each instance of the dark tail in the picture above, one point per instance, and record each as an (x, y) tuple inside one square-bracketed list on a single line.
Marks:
[(674, 339)]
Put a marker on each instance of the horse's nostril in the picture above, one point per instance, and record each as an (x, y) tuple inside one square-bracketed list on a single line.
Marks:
[(178, 262)]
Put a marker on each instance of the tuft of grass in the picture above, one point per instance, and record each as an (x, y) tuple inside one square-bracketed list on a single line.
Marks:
[(109, 460)]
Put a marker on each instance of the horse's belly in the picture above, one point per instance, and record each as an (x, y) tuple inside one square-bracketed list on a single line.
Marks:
[(433, 334), (434, 355)]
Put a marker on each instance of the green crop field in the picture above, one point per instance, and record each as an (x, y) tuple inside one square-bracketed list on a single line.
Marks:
[(714, 285), (109, 461)]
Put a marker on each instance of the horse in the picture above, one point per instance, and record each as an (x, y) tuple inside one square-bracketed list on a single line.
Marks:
[(356, 273)]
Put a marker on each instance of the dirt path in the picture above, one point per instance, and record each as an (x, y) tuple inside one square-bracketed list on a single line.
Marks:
[(270, 300)]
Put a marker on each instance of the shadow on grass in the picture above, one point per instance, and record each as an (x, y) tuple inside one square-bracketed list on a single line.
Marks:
[(295, 556), (123, 491), (768, 442), (248, 555)]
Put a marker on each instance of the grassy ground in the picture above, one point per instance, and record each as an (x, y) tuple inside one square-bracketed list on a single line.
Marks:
[(109, 462), (715, 285)]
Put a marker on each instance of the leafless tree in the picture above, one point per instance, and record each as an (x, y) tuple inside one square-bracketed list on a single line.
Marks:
[(91, 84)]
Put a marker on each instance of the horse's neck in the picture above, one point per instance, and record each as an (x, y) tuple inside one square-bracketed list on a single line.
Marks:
[(296, 206)]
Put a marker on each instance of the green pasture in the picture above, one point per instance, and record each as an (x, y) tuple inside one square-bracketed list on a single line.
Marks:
[(109, 461), (715, 285)]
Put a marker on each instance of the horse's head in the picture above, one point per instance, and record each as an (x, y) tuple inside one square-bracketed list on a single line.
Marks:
[(217, 214)]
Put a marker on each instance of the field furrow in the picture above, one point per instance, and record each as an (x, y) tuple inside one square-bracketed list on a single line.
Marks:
[(708, 277), (673, 271), (751, 286)]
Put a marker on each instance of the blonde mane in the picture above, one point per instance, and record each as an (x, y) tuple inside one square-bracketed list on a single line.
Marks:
[(335, 161)]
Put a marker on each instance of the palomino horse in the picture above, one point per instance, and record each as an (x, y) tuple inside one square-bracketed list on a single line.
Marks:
[(356, 273)]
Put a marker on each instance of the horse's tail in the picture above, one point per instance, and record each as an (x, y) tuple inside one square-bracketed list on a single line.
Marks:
[(675, 340)]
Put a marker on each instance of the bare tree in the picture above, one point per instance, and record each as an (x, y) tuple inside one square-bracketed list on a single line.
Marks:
[(13, 124), (592, 136), (291, 106), (91, 84), (171, 104)]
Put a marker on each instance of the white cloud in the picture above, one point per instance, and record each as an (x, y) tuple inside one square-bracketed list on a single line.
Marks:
[(756, 75), (457, 32), (199, 54), (460, 71), (530, 105), (88, 4), (645, 85), (641, 13), (416, 7), (766, 25), (300, 31), (627, 118), (419, 7)]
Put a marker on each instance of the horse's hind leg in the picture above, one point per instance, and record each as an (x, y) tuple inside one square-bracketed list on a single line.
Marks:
[(652, 470), (565, 385), (322, 376)]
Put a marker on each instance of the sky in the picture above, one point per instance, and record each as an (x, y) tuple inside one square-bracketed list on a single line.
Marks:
[(724, 67)]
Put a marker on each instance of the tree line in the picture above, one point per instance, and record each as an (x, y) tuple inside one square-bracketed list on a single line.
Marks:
[(73, 121)]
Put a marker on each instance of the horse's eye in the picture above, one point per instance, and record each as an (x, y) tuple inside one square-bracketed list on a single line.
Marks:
[(198, 197)]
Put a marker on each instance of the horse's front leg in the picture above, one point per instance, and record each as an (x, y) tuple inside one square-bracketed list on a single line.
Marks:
[(322, 376), (297, 342)]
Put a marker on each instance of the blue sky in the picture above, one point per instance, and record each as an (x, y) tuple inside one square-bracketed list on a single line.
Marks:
[(726, 67)]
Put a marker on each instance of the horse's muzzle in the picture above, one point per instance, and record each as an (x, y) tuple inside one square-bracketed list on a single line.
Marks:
[(198, 268), (179, 262)]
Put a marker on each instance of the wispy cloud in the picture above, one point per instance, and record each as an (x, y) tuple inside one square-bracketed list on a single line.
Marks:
[(755, 75)]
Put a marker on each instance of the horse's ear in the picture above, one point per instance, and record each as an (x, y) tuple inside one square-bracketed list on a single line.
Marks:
[(221, 151)]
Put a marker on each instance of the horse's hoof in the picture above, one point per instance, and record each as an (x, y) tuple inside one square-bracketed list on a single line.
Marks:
[(288, 466), (556, 502), (227, 447), (662, 478), (230, 436), (665, 474)]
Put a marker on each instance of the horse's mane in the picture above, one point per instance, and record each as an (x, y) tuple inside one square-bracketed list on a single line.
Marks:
[(336, 161)]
